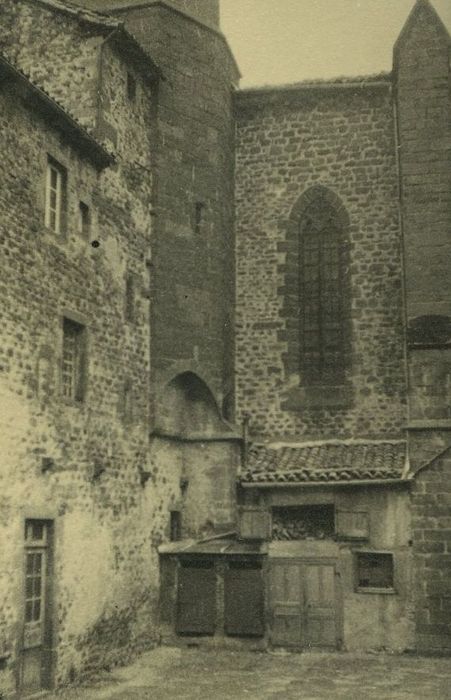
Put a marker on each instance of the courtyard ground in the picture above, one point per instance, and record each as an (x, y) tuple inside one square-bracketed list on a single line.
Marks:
[(193, 674)]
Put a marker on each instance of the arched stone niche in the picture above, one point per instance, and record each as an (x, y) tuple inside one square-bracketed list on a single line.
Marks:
[(188, 409)]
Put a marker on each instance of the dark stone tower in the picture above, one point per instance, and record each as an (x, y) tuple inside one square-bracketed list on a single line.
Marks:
[(193, 241), (192, 266), (423, 105)]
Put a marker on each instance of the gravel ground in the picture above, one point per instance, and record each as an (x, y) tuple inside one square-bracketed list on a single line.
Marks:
[(193, 674)]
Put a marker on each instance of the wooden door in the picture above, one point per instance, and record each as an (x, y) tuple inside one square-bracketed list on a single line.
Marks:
[(35, 666), (287, 603), (196, 598), (244, 599), (304, 603), (321, 612)]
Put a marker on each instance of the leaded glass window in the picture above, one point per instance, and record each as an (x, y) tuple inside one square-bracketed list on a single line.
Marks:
[(321, 244)]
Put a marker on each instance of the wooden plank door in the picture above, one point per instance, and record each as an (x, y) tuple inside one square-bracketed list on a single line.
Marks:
[(321, 613), (304, 603), (35, 666), (196, 598), (244, 599), (287, 603)]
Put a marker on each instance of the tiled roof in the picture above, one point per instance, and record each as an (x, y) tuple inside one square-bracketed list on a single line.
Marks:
[(325, 462)]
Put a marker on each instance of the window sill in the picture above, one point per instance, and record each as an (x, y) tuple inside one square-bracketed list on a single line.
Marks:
[(318, 397), (376, 591)]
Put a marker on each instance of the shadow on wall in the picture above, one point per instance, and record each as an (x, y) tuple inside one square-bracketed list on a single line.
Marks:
[(189, 409)]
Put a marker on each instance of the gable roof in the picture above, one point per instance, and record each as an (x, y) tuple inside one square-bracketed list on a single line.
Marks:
[(129, 45), (326, 462), (56, 115)]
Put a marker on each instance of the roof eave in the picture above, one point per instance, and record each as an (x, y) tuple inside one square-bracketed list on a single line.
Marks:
[(130, 46), (323, 484), (58, 117)]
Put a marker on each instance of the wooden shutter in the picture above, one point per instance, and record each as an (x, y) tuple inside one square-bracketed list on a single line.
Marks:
[(196, 598), (254, 523), (244, 599), (352, 525)]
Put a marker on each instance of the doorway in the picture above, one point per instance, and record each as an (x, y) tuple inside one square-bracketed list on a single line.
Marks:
[(35, 669), (305, 603)]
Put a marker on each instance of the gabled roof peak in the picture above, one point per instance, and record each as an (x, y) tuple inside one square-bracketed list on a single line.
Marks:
[(419, 7)]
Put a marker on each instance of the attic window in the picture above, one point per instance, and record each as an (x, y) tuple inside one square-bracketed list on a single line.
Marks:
[(131, 87)]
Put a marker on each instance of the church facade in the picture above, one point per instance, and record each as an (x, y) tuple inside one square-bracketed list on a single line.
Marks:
[(226, 344)]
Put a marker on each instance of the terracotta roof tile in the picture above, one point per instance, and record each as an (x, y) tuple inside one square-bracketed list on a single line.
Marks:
[(325, 462)]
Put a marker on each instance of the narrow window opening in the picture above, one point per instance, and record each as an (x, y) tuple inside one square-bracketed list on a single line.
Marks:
[(73, 360), (55, 196), (131, 87), (198, 216), (130, 298), (175, 525), (321, 294), (127, 402), (84, 220), (374, 570)]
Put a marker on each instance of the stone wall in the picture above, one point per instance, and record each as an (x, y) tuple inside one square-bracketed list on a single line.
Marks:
[(431, 523), (58, 53), (339, 137), (80, 465)]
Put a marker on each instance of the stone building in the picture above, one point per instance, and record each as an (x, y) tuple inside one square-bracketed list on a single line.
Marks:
[(343, 205), (225, 373)]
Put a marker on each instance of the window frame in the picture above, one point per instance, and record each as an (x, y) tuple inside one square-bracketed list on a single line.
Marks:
[(384, 590), (325, 371), (58, 211), (75, 332)]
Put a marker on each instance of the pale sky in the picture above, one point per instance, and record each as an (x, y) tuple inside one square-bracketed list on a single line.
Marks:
[(284, 41)]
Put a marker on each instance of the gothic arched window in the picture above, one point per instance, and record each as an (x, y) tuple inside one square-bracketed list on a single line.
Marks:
[(322, 336)]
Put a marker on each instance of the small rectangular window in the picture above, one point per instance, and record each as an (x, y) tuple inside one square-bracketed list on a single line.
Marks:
[(84, 219), (176, 525), (73, 361), (55, 196), (127, 402), (198, 216), (374, 570), (131, 87)]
